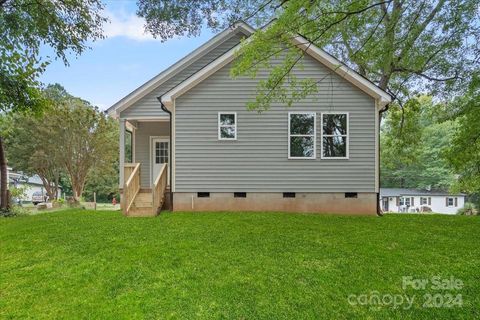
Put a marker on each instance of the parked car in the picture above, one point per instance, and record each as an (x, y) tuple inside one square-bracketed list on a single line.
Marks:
[(38, 197)]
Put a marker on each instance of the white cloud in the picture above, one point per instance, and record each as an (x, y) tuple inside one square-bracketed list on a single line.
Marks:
[(123, 24)]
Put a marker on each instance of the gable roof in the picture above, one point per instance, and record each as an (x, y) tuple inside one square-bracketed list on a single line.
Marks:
[(174, 69), (347, 73)]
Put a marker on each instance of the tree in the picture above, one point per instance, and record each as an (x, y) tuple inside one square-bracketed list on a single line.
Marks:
[(70, 137), (88, 140), (25, 26), (403, 46), (464, 153), (413, 141), (104, 182), (34, 150), (400, 144)]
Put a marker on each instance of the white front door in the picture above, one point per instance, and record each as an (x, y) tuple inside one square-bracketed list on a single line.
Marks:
[(160, 153)]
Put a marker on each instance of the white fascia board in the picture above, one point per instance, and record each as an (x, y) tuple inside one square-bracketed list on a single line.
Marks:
[(381, 97), (153, 83)]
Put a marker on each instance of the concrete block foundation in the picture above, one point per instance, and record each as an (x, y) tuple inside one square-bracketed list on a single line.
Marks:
[(336, 203)]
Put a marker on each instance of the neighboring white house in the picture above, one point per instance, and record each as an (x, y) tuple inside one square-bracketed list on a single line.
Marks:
[(414, 200), (32, 183)]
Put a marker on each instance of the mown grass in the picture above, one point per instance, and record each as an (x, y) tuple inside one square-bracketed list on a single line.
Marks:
[(97, 265)]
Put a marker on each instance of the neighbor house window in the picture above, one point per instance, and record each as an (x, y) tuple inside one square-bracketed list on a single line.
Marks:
[(301, 135), (227, 126), (423, 201), (334, 135), (450, 202), (128, 146), (405, 201)]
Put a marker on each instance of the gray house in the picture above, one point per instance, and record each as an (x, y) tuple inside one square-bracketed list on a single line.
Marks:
[(188, 142)]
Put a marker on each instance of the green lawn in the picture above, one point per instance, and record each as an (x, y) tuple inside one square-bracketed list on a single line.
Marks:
[(86, 264)]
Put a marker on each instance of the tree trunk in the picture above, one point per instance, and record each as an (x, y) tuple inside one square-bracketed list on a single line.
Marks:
[(4, 201)]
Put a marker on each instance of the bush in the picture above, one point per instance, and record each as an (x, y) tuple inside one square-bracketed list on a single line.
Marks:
[(58, 203), (468, 210), (14, 211)]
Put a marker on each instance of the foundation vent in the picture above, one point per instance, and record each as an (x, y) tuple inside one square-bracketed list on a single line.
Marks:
[(351, 195), (289, 194), (203, 194), (239, 194)]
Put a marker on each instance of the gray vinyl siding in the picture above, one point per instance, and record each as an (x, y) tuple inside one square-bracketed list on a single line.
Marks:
[(149, 106), (258, 161), (144, 131)]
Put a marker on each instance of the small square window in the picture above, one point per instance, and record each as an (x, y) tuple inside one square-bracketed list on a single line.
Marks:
[(227, 126)]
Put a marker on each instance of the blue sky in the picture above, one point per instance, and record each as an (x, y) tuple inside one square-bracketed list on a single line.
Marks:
[(117, 65)]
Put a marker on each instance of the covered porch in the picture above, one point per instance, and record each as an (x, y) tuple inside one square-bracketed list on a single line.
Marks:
[(144, 166)]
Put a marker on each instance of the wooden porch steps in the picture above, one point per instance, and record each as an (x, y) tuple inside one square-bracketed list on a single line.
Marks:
[(137, 201), (142, 204)]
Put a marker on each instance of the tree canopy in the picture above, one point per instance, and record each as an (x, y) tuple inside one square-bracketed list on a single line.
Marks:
[(25, 26), (464, 151), (405, 47), (70, 137), (413, 145)]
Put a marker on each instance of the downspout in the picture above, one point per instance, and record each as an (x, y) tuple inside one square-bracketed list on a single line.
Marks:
[(170, 167), (384, 109)]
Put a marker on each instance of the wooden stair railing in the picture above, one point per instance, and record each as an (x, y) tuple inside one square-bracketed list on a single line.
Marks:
[(131, 189), (127, 171), (159, 189)]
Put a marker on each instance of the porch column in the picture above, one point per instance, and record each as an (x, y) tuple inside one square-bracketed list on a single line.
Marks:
[(122, 152)]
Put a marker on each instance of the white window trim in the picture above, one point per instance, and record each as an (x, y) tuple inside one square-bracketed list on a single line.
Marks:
[(304, 135), (453, 202), (220, 125), (404, 200), (347, 136)]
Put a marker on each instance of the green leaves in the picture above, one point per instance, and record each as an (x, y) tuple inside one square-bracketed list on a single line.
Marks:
[(25, 26), (464, 152), (70, 137), (413, 140)]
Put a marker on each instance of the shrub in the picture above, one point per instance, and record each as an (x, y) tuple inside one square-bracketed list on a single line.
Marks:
[(468, 210), (58, 203), (14, 211)]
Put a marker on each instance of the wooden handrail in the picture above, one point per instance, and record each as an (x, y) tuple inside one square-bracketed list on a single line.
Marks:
[(131, 188), (127, 170), (159, 188)]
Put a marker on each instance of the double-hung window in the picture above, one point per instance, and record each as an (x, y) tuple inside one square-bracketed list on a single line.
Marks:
[(227, 126), (301, 135), (450, 202), (335, 135)]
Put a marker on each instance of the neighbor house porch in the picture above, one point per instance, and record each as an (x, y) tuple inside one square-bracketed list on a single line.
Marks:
[(144, 171)]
